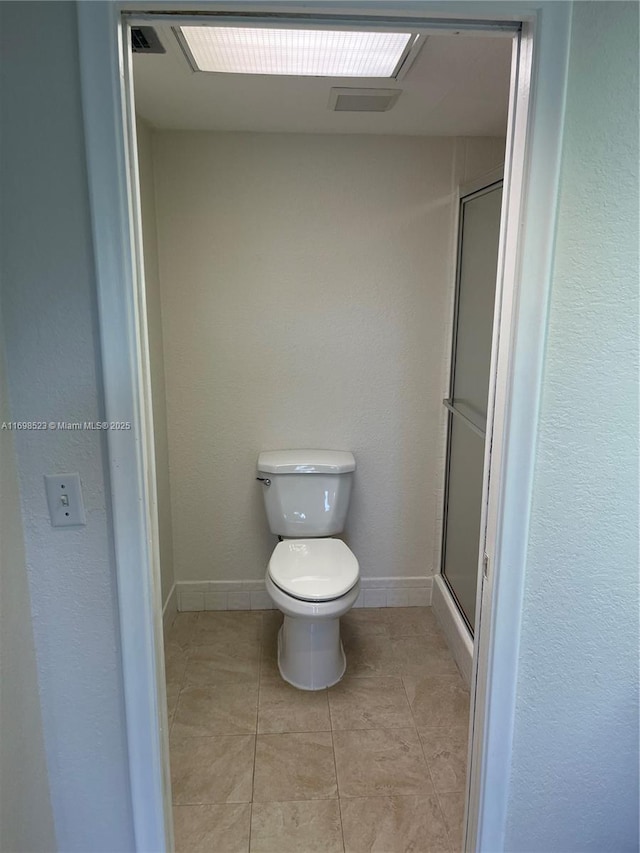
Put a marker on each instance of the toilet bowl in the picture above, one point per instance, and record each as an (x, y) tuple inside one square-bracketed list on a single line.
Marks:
[(312, 577), (313, 582)]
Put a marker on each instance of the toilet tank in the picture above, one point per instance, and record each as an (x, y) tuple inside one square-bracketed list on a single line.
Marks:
[(306, 492)]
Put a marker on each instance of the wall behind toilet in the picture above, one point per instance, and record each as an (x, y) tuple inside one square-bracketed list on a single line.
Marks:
[(306, 285)]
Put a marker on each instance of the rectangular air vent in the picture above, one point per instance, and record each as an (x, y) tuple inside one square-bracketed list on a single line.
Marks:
[(349, 100), (145, 40)]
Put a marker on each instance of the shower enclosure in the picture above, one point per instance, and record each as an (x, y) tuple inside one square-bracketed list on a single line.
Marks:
[(478, 237)]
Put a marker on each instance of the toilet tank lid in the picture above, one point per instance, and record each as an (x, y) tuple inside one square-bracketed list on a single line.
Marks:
[(306, 461)]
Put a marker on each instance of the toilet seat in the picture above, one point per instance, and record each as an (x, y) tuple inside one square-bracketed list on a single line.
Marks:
[(314, 569)]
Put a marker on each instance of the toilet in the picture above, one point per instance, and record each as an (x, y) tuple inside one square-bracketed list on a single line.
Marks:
[(312, 578)]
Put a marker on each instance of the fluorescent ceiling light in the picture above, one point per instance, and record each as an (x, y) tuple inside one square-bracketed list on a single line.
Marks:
[(315, 53)]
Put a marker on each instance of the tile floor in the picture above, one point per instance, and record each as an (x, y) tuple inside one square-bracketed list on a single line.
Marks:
[(375, 763)]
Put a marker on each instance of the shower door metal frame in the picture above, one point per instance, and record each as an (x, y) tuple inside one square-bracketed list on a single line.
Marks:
[(482, 185)]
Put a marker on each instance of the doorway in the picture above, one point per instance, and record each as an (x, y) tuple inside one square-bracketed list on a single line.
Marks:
[(517, 161), (304, 273)]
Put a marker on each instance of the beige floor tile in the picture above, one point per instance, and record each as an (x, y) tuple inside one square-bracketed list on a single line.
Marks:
[(393, 825), (452, 806), (269, 666), (282, 708), (175, 661), (370, 655), (228, 709), (362, 622), (173, 691), (181, 631), (425, 654), (212, 769), (271, 622), (306, 826), (369, 703), (388, 799), (269, 654), (446, 754), (410, 621), (225, 626), (224, 662), (438, 700), (294, 767), (212, 829), (381, 762)]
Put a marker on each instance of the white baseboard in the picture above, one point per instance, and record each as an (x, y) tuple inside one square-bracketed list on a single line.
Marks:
[(170, 608), (453, 626), (251, 595)]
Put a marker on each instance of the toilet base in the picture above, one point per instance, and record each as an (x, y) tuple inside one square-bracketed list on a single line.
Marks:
[(310, 653)]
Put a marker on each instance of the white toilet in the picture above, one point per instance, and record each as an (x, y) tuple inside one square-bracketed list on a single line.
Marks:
[(312, 580)]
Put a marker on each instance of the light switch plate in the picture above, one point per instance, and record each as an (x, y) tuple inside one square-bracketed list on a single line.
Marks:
[(64, 496)]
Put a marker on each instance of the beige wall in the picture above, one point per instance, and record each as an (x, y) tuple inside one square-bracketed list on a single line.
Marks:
[(154, 326), (306, 299)]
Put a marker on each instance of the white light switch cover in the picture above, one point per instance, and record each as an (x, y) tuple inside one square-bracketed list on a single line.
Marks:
[(64, 496)]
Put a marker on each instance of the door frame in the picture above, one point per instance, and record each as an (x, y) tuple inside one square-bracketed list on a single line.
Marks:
[(532, 166)]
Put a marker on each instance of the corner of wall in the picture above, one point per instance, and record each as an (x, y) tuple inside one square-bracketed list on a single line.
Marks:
[(482, 154), (156, 358)]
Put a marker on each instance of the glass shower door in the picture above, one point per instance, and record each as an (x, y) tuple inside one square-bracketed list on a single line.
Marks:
[(467, 404)]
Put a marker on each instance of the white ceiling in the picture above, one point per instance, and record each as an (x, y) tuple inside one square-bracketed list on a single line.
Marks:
[(458, 86)]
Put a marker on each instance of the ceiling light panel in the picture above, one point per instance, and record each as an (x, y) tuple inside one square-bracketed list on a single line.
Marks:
[(305, 53)]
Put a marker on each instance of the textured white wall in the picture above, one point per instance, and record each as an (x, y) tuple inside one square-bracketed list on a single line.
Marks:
[(53, 369), (306, 297), (156, 356), (574, 781), (26, 822)]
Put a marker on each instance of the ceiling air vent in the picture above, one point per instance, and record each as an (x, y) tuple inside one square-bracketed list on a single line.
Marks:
[(362, 100), (145, 40)]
